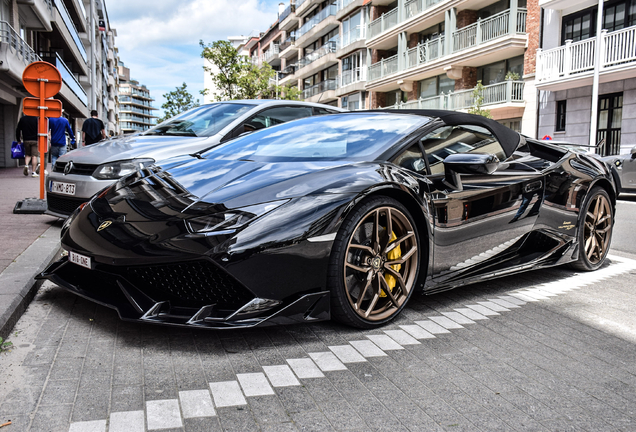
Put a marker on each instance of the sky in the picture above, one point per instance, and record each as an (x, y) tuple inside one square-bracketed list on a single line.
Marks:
[(159, 39)]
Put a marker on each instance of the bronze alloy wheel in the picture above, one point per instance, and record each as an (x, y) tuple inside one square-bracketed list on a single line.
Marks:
[(597, 231), (380, 265)]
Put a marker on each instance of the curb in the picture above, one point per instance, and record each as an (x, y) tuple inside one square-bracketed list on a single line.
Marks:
[(17, 283)]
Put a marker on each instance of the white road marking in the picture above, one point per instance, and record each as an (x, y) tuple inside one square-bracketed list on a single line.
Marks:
[(482, 310), (458, 318), (255, 384), (327, 361), (163, 414), (534, 294), (196, 403), (494, 306), (305, 368), (432, 327), (523, 297), (445, 322), (513, 300), (227, 393), (401, 337), (384, 342), (127, 421), (471, 314), (281, 376), (504, 303), (88, 426), (347, 354), (368, 348), (417, 332)]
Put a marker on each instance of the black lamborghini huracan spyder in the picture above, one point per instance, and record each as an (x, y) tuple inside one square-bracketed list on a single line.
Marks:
[(341, 216)]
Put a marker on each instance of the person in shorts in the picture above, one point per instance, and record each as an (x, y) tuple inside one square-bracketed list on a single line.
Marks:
[(27, 133), (93, 130)]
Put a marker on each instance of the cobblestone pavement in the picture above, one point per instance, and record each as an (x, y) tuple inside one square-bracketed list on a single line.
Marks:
[(550, 350)]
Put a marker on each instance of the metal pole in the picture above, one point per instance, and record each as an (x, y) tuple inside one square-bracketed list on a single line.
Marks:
[(93, 80), (597, 67)]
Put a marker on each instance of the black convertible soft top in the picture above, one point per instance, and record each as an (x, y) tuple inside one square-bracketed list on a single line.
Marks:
[(508, 138)]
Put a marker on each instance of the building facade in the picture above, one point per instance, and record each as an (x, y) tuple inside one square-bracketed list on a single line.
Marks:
[(73, 35), (565, 71), (136, 112)]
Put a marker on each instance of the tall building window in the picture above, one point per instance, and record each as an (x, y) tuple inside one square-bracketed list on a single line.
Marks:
[(560, 116)]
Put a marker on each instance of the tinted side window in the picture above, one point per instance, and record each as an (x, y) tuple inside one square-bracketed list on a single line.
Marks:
[(448, 140), (412, 159), (321, 111), (278, 115)]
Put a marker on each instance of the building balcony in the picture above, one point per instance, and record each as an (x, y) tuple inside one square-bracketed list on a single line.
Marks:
[(317, 26), (572, 65), (288, 19), (351, 81), (271, 56), (320, 58), (69, 31), (37, 14), (345, 7), (15, 53), (322, 87), (351, 41), (303, 6), (504, 100), (486, 41), (72, 91)]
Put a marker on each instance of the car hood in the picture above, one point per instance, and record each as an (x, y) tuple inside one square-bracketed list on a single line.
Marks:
[(156, 147), (202, 186)]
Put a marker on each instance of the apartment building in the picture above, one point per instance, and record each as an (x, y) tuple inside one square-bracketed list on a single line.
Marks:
[(572, 39), (136, 112), (76, 37)]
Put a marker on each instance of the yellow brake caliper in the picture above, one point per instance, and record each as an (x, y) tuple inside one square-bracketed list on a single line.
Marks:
[(392, 256)]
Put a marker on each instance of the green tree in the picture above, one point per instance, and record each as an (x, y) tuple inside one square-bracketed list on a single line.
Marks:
[(288, 92), (177, 101), (234, 75), (478, 97)]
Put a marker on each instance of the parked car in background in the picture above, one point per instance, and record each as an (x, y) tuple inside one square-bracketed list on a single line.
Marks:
[(341, 216), (624, 167), (80, 174)]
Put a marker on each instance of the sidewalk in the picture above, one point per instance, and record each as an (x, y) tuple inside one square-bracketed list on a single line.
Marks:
[(29, 242)]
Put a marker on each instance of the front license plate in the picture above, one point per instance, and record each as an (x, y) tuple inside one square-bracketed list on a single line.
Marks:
[(78, 259), (63, 188)]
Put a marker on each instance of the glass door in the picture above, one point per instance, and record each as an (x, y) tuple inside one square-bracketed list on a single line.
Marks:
[(610, 114)]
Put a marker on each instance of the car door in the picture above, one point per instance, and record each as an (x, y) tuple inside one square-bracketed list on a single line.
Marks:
[(628, 168), (271, 117), (488, 214)]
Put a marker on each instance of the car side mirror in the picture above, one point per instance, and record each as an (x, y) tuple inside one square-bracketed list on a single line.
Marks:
[(467, 163), (633, 152)]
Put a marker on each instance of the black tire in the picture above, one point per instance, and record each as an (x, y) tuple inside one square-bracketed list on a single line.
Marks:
[(596, 222), (367, 259)]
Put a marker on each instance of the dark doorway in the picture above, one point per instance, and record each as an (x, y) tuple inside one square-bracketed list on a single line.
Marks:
[(610, 114)]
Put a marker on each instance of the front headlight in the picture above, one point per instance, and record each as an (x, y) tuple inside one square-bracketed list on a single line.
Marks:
[(118, 169), (230, 220)]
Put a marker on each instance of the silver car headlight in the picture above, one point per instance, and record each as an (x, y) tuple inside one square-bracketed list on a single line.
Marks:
[(118, 169), (231, 220)]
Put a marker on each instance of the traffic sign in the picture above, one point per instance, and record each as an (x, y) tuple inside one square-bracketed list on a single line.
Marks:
[(38, 72), (31, 107)]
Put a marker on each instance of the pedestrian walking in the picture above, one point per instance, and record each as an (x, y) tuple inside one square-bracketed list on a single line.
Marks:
[(27, 133), (59, 127), (93, 130)]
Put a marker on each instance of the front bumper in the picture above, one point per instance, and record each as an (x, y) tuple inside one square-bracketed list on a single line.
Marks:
[(191, 293), (85, 187)]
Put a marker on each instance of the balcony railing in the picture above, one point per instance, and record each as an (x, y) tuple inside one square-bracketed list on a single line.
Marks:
[(473, 35), (386, 21), (343, 3), (352, 76), (288, 10), (291, 39), (317, 19), (383, 68), (495, 94), (68, 22), (22, 49), (618, 49), (270, 53), (352, 36), (488, 29), (319, 88), (330, 47), (67, 76)]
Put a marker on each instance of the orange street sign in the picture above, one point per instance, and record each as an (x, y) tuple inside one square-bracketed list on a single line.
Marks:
[(53, 107), (40, 71)]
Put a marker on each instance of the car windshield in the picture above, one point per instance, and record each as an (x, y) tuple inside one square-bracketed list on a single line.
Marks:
[(203, 121), (341, 136)]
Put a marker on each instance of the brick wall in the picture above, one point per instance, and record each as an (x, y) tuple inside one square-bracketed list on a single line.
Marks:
[(413, 40), (376, 99), (466, 17), (377, 11), (414, 94), (533, 24), (468, 80), (376, 55)]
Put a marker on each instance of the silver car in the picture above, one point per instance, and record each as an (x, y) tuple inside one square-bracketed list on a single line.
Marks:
[(624, 170), (81, 173)]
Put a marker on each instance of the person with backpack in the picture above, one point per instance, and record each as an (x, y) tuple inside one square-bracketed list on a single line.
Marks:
[(93, 130), (59, 126)]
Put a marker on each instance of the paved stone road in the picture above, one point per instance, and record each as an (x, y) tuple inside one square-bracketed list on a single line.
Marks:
[(542, 351)]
